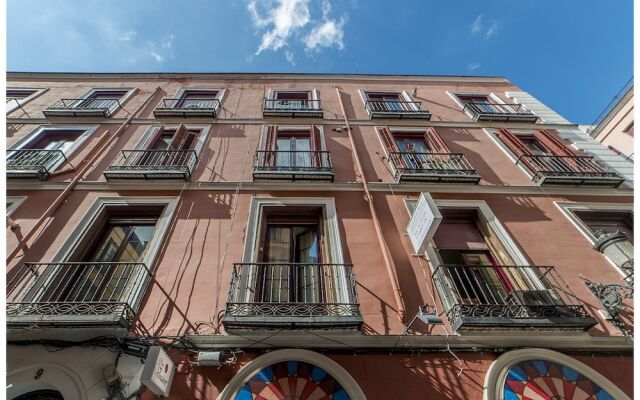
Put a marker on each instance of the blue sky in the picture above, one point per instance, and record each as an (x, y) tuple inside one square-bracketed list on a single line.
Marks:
[(572, 55)]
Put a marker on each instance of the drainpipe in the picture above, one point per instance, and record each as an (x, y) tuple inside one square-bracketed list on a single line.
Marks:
[(388, 260), (97, 152)]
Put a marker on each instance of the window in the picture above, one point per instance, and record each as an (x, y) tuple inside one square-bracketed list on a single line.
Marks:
[(175, 138), (603, 222), (197, 98), (17, 97), (293, 146), (291, 101), (110, 99), (388, 101)]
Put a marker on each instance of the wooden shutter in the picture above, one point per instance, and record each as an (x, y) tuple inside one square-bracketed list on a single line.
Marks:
[(556, 145), (434, 142), (178, 138), (154, 139), (512, 142), (387, 139), (316, 141)]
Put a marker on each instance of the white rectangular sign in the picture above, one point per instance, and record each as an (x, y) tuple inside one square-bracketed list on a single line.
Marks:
[(424, 222), (158, 371)]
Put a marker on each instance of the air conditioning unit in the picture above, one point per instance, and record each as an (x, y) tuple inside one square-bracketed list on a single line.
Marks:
[(531, 297)]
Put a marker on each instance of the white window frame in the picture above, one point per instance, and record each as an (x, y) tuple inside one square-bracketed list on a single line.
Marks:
[(403, 93), (153, 130), (152, 251), (568, 208), (284, 128), (492, 135), (15, 104), (15, 202), (113, 108), (314, 95), (331, 229), (37, 133), (219, 96), (454, 95)]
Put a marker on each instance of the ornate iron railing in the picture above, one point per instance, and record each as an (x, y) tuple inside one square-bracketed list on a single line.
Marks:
[(499, 112), (33, 163), (153, 164), (612, 297), (576, 170), (185, 107), (75, 292), (293, 107), (409, 166), (266, 292), (83, 107), (396, 109), (292, 165), (507, 296)]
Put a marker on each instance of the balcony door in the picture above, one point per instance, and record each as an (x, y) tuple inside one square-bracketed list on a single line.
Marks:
[(416, 150), (386, 101), (54, 143), (483, 103), (292, 148), (291, 100), (197, 99), (292, 252), (169, 147), (104, 271), (101, 99)]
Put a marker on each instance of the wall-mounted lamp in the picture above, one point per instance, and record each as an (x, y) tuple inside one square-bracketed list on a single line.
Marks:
[(427, 316)]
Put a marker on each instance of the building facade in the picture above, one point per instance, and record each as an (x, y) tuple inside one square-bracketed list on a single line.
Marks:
[(300, 236)]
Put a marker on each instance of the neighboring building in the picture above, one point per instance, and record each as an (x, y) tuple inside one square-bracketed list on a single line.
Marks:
[(310, 236), (614, 127)]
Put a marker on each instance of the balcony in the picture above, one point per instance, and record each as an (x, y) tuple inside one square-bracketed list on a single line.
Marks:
[(500, 112), (569, 170), (82, 108), (292, 166), (75, 294), (292, 108), (486, 297), (432, 167), (152, 165), (33, 163), (185, 108), (284, 295), (396, 109)]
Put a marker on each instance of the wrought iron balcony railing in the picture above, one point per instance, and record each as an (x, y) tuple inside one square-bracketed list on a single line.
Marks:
[(500, 112), (292, 165), (82, 108), (292, 108), (33, 163), (491, 296), (263, 295), (75, 293), (396, 109), (189, 107), (153, 165), (569, 170), (432, 167)]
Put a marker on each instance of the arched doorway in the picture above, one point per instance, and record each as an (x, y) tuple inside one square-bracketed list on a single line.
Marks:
[(530, 374), (44, 394), (292, 375)]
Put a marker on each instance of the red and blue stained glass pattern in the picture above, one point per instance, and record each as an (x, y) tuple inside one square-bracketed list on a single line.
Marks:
[(292, 380), (547, 380)]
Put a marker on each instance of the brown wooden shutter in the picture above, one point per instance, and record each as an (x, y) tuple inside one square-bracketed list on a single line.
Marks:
[(178, 138), (271, 137), (316, 142), (556, 145), (387, 139), (156, 136), (512, 142), (435, 142)]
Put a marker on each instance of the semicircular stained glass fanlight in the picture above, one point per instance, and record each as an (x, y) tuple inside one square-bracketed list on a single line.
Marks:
[(292, 380), (548, 380)]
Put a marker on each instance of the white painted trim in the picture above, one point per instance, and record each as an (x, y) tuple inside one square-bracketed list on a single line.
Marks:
[(39, 131), (497, 373), (568, 207), (121, 101), (403, 93), (330, 219), (491, 133), (57, 376), (331, 367), (15, 201), (153, 130), (13, 105)]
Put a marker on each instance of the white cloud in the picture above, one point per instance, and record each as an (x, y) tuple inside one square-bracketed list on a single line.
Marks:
[(154, 54), (330, 33), (492, 31), (127, 36), (286, 18), (167, 43), (476, 26), (289, 56), (473, 67)]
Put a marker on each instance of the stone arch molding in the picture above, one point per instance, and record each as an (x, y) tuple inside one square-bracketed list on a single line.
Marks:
[(55, 377), (497, 372), (331, 367)]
